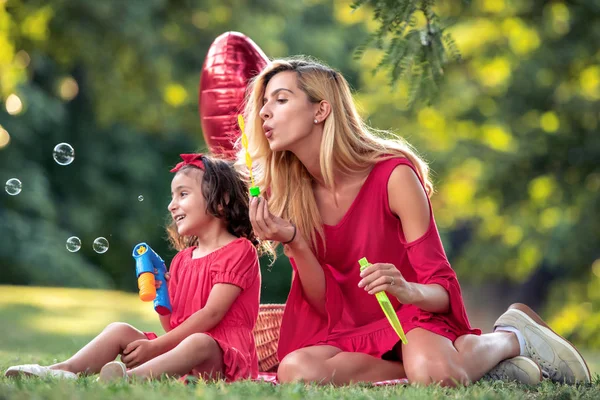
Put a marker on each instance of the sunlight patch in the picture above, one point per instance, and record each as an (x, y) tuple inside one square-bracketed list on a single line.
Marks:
[(90, 303), (82, 322)]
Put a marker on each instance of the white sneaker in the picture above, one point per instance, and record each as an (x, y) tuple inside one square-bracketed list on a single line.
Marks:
[(39, 371), (113, 371), (559, 360), (517, 369)]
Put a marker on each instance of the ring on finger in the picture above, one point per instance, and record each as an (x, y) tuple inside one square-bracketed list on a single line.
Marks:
[(393, 282)]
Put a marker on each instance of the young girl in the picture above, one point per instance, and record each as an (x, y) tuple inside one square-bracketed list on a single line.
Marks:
[(214, 288), (338, 193)]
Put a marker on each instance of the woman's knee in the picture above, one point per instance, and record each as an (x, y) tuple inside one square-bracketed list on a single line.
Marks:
[(426, 371), (299, 366)]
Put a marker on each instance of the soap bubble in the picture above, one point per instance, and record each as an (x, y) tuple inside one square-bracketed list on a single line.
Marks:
[(13, 186), (140, 198), (73, 244), (63, 154), (100, 245)]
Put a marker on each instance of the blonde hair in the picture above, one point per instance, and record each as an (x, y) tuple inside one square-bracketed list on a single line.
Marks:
[(348, 145)]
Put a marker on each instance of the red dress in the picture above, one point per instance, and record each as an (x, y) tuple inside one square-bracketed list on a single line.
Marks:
[(354, 320), (191, 282)]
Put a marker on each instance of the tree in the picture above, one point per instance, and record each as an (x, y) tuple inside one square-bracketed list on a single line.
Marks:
[(416, 47), (512, 136), (118, 81), (510, 133)]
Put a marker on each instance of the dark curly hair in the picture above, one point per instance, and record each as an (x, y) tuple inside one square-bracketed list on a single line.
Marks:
[(226, 197)]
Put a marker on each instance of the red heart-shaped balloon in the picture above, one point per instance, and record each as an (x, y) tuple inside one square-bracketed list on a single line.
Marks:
[(232, 60)]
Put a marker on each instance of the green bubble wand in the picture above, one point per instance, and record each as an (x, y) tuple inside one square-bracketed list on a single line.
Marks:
[(254, 190), (386, 306)]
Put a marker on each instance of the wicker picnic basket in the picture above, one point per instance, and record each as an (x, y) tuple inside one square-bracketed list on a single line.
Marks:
[(266, 335)]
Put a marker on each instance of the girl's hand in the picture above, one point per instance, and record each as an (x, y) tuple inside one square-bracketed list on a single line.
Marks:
[(382, 277), (267, 226), (138, 352), (158, 283)]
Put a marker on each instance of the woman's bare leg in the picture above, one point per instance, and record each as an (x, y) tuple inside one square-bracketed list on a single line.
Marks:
[(431, 358), (328, 364), (479, 354)]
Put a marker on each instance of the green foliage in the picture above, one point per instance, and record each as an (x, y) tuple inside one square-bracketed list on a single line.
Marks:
[(118, 81), (512, 137), (415, 44)]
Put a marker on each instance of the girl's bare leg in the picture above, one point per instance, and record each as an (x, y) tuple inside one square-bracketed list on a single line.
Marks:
[(102, 349), (198, 352)]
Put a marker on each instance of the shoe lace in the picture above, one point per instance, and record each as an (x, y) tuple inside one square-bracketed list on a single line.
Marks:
[(549, 370), (497, 373)]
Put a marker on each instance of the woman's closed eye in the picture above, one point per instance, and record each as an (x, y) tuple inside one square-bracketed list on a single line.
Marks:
[(282, 101)]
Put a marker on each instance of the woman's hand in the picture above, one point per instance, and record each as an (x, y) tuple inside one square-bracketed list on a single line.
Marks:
[(267, 226), (382, 277), (138, 352)]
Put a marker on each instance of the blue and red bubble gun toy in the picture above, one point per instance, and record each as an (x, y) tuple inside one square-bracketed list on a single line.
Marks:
[(146, 262)]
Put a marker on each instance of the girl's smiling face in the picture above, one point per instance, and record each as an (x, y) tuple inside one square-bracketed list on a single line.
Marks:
[(188, 206)]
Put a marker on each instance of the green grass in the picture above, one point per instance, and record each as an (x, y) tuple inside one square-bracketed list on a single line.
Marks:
[(43, 325)]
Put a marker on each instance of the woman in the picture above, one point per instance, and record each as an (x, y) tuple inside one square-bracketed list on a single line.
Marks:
[(337, 193)]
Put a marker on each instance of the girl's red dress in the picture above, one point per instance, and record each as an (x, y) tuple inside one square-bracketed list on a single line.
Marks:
[(354, 320), (190, 284)]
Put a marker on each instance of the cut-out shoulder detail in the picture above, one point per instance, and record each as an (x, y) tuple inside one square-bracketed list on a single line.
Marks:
[(408, 201)]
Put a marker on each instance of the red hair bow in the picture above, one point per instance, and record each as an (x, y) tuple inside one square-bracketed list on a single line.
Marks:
[(190, 159)]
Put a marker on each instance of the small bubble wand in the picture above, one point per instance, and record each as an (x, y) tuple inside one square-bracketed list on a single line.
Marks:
[(386, 306), (254, 190)]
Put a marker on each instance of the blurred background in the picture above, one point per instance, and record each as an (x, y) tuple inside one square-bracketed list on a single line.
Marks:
[(511, 136)]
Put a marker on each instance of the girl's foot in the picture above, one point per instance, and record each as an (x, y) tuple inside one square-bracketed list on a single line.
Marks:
[(113, 371), (559, 360), (39, 371)]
